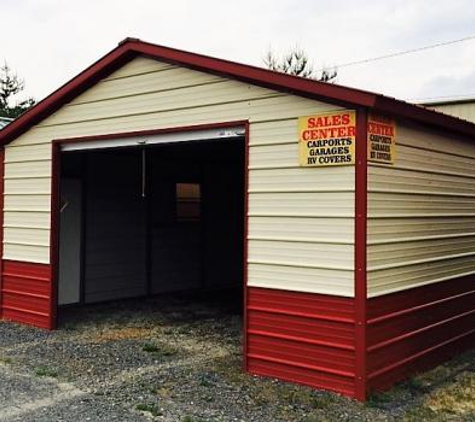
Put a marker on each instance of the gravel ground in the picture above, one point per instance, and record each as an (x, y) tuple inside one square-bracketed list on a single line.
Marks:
[(178, 359)]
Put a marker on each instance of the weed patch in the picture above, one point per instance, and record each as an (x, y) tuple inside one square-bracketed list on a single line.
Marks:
[(44, 371), (153, 409)]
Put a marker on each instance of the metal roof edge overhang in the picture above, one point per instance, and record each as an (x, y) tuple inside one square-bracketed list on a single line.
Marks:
[(332, 93)]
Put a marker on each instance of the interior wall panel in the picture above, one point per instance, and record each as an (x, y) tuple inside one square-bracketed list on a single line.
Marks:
[(115, 240)]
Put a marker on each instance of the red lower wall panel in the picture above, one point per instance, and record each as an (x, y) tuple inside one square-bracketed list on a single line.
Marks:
[(301, 337), (414, 330), (26, 293)]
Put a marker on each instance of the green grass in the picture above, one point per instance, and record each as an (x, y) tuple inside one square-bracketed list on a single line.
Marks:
[(6, 360), (159, 350), (153, 409), (44, 371)]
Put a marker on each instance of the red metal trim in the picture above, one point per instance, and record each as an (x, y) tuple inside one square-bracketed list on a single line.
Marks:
[(2, 190), (331, 93), (361, 192), (245, 322)]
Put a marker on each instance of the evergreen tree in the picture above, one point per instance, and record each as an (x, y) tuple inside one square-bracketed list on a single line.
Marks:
[(10, 86)]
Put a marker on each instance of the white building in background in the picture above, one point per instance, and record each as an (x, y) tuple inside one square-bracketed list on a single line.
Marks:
[(462, 108), (4, 121)]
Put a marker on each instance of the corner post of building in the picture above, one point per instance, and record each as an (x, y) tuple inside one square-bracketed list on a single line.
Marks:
[(361, 194), (247, 135), (2, 189)]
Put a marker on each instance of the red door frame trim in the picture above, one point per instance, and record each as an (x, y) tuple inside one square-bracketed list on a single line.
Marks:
[(361, 210), (2, 192), (55, 189)]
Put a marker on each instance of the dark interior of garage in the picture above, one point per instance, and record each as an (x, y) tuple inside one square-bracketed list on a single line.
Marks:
[(150, 220)]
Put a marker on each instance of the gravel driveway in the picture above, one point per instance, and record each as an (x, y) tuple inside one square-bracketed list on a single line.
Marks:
[(170, 359)]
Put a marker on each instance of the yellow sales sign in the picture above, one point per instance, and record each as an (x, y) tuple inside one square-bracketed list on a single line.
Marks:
[(381, 139), (327, 139)]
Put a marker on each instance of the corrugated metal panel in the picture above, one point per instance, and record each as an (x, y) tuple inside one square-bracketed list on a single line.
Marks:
[(290, 180), (139, 66), (399, 204), (417, 329), (303, 338), (26, 253), (433, 141), (298, 204), (464, 110), (166, 78), (328, 230), (27, 169), (301, 279), (146, 94), (418, 181), (404, 253), (318, 255), (29, 236), (421, 224), (14, 202), (26, 293), (183, 98), (393, 230), (42, 185), (34, 220), (28, 153)]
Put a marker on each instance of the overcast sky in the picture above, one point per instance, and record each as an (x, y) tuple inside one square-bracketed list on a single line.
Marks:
[(49, 41)]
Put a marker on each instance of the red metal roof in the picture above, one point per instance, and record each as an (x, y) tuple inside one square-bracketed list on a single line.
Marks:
[(131, 47)]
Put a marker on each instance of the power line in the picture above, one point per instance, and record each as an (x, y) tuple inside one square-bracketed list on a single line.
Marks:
[(401, 53)]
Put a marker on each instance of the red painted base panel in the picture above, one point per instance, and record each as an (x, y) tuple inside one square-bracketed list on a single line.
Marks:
[(415, 330), (303, 338), (26, 293)]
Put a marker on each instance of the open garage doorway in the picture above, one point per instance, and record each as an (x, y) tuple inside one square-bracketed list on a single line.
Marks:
[(147, 220)]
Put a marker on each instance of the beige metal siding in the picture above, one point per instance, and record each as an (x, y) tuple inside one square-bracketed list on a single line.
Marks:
[(464, 110), (300, 220), (421, 213)]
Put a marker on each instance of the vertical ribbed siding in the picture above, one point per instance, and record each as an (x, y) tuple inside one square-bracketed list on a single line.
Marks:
[(312, 209), (303, 338), (417, 329), (421, 213)]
